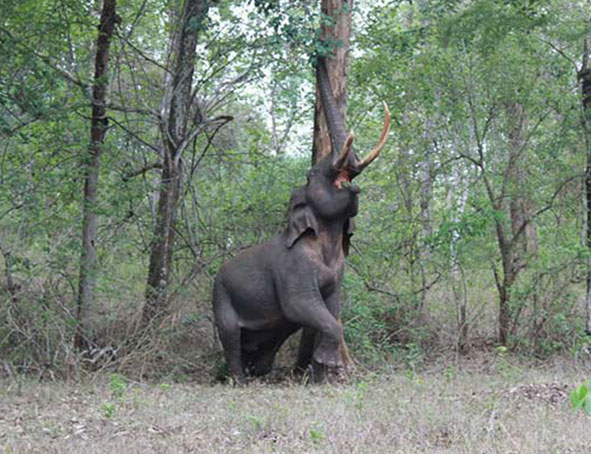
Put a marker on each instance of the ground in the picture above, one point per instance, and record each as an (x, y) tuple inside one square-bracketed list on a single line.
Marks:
[(497, 406)]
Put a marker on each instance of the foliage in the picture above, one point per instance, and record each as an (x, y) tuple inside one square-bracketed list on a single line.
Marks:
[(580, 398)]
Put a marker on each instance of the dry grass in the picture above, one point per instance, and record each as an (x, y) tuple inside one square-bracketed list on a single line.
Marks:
[(495, 407)]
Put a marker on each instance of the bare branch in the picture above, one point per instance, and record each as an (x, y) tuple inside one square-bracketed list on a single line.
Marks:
[(549, 205), (126, 40), (190, 137), (134, 135), (561, 53), (128, 176)]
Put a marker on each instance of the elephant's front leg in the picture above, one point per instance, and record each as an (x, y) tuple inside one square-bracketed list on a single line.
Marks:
[(309, 338), (302, 303)]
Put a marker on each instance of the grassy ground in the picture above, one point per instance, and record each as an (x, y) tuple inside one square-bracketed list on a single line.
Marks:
[(494, 406)]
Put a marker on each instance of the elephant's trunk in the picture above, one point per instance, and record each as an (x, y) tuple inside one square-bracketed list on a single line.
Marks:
[(334, 119), (336, 126)]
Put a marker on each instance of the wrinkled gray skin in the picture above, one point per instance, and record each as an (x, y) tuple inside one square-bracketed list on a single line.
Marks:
[(269, 291)]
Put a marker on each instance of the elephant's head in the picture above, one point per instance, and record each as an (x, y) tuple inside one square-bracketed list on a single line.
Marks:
[(328, 195)]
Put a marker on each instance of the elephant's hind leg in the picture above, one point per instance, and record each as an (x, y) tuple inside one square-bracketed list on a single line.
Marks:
[(306, 349), (260, 360), (226, 321)]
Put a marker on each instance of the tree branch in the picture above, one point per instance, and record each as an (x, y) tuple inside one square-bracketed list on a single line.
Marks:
[(128, 176)]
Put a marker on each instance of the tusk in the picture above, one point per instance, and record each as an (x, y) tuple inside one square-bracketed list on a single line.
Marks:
[(345, 151), (376, 151)]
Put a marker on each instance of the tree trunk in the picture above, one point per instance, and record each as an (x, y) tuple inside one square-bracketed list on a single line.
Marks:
[(176, 111), (505, 313), (98, 125), (584, 76), (456, 202), (336, 32), (523, 238), (425, 206)]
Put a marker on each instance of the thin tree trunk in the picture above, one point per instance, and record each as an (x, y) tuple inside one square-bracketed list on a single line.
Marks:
[(584, 76), (514, 248), (456, 206), (425, 213), (176, 114), (98, 126), (337, 32)]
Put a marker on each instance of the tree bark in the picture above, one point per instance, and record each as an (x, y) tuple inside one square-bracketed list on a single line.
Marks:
[(584, 76), (176, 111), (456, 200), (425, 206), (335, 33), (514, 248), (98, 125)]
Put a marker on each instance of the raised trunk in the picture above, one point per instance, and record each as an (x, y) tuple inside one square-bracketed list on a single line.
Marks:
[(334, 116), (176, 112), (336, 30), (98, 124)]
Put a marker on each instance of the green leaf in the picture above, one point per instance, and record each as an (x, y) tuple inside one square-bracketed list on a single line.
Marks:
[(579, 396)]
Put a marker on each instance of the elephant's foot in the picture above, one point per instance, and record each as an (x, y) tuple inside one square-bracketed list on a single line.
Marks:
[(328, 356), (321, 373)]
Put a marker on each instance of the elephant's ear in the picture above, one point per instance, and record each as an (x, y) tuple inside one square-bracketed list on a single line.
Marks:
[(348, 230), (300, 218)]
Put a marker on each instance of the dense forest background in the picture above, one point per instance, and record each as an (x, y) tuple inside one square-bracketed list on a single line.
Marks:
[(474, 224)]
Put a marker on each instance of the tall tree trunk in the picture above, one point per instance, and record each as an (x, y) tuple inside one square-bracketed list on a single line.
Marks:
[(425, 212), (98, 125), (336, 30), (456, 201), (514, 248), (584, 76), (505, 286), (176, 112)]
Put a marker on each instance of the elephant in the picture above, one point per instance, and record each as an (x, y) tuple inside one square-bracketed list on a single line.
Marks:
[(269, 291)]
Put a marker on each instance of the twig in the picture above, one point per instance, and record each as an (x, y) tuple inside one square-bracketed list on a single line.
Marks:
[(128, 176)]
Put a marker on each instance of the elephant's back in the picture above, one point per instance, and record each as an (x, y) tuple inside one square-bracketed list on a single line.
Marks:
[(251, 262), (247, 280)]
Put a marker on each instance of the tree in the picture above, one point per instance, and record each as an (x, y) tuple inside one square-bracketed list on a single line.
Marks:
[(334, 43), (584, 77), (98, 128), (333, 61), (180, 118)]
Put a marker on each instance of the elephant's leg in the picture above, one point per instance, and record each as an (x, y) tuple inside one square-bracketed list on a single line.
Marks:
[(333, 303), (306, 349), (307, 308), (263, 362), (229, 331), (260, 359)]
